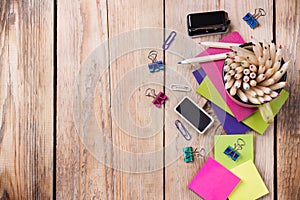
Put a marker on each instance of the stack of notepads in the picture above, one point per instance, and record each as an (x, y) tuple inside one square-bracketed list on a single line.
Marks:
[(221, 177), (234, 118)]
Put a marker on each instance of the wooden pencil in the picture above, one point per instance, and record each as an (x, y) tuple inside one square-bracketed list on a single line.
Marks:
[(272, 51), (253, 68), (234, 65), (269, 73), (251, 92), (274, 94), (277, 86), (260, 78), (203, 59), (267, 97), (254, 100), (252, 75), (229, 84), (246, 71), (226, 68), (253, 83), (266, 90), (245, 63), (252, 59), (278, 55), (257, 48), (266, 51), (277, 65), (261, 99), (277, 76), (246, 86), (239, 70), (242, 95), (258, 91), (246, 79), (232, 91), (238, 76), (228, 61), (267, 82), (261, 69), (268, 63), (237, 84)]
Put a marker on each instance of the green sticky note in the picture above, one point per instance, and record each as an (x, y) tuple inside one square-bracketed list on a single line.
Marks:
[(251, 186), (254, 121), (223, 141)]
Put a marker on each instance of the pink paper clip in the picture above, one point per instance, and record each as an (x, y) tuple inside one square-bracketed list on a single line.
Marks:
[(158, 99)]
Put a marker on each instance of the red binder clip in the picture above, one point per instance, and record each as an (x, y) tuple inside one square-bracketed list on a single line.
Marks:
[(158, 99)]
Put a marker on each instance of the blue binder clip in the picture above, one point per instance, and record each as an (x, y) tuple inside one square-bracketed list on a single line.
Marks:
[(252, 19), (232, 152), (155, 66)]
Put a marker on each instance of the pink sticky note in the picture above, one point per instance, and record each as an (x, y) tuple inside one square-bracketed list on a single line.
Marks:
[(214, 72), (214, 181)]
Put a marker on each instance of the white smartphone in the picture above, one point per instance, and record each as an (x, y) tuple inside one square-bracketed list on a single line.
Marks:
[(194, 115)]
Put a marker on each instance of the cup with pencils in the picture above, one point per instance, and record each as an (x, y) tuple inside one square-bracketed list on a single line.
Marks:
[(254, 74)]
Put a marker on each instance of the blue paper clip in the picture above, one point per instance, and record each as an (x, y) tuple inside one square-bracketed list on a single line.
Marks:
[(181, 128), (233, 152), (252, 19), (169, 40), (155, 66)]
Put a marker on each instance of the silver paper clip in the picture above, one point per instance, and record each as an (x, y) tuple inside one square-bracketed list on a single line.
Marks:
[(179, 87), (169, 40), (181, 128)]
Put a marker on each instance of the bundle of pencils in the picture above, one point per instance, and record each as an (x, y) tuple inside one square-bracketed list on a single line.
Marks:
[(253, 72)]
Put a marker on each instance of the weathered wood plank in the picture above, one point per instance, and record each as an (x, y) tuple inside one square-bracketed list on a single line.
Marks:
[(263, 144), (26, 99), (178, 174), (288, 131), (137, 125), (82, 27)]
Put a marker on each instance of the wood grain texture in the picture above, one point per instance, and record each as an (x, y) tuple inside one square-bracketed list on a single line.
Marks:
[(178, 174), (82, 26), (26, 100), (288, 131), (263, 144), (134, 129)]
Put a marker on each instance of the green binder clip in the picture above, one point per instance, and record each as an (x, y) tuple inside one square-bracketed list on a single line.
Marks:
[(188, 154)]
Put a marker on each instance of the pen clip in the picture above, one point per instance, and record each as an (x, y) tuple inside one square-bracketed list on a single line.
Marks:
[(181, 128)]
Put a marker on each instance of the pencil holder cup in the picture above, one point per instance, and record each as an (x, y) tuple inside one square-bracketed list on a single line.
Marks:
[(250, 83)]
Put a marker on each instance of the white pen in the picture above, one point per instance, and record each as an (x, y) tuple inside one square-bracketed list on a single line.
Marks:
[(203, 59), (221, 45)]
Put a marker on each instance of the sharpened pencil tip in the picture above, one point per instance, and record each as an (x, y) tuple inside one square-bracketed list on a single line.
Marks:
[(179, 63)]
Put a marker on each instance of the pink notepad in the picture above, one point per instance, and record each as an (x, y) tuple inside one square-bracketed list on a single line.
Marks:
[(214, 181), (214, 72)]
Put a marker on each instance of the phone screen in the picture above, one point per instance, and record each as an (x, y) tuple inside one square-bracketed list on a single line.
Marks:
[(194, 114)]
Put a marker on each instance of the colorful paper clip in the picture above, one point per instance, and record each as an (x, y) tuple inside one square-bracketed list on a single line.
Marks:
[(158, 99), (188, 154), (169, 40), (252, 19), (180, 88), (233, 152), (155, 66), (181, 128)]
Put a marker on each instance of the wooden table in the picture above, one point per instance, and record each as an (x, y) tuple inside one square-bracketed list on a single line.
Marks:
[(75, 123)]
